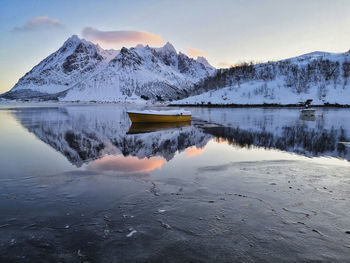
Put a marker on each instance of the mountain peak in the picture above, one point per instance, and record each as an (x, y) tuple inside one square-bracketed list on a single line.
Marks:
[(139, 46), (124, 50), (168, 48), (72, 39), (204, 61)]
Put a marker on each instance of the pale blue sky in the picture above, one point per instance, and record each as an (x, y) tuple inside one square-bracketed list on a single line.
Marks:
[(228, 32)]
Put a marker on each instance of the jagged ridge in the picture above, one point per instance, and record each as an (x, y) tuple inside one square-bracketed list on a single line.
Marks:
[(81, 70)]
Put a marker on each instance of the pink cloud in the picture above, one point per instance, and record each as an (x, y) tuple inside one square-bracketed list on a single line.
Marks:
[(194, 53), (121, 37), (126, 164), (193, 151), (39, 23)]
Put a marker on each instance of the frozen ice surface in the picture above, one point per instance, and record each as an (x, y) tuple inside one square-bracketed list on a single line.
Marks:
[(131, 233)]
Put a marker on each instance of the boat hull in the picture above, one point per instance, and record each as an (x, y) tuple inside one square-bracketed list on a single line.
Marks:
[(139, 117)]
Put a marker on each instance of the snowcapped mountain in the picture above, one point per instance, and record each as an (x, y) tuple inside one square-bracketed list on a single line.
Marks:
[(157, 74), (204, 62), (81, 70), (74, 61), (321, 76)]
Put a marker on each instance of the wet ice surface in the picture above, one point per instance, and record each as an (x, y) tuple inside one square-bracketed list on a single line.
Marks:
[(75, 187)]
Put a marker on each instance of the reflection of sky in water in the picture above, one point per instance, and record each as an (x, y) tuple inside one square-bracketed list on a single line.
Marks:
[(45, 150), (23, 154), (193, 151), (131, 164), (126, 164)]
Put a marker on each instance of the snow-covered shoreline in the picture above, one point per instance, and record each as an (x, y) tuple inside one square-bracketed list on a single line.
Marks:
[(264, 105), (12, 104)]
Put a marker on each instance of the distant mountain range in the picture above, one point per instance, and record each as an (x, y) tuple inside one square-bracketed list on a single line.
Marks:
[(83, 71)]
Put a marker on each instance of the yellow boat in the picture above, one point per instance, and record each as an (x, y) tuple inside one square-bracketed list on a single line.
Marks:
[(160, 116)]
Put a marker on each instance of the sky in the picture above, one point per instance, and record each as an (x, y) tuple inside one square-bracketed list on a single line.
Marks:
[(226, 32)]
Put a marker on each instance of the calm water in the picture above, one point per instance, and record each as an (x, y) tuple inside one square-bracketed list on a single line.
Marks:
[(78, 183)]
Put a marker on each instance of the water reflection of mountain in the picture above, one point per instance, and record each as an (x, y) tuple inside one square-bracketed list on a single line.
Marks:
[(283, 129), (86, 133), (293, 139), (163, 143)]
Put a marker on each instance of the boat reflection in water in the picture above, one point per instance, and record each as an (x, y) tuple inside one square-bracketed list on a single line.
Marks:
[(307, 117), (143, 127)]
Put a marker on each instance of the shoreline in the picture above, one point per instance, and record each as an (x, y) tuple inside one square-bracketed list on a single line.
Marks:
[(265, 105)]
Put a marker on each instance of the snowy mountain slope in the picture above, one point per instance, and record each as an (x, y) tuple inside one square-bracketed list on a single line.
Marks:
[(157, 74), (70, 64), (81, 70), (205, 62), (321, 76)]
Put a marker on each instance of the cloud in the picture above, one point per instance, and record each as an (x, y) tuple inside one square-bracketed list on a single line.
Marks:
[(39, 23), (194, 53), (121, 37)]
